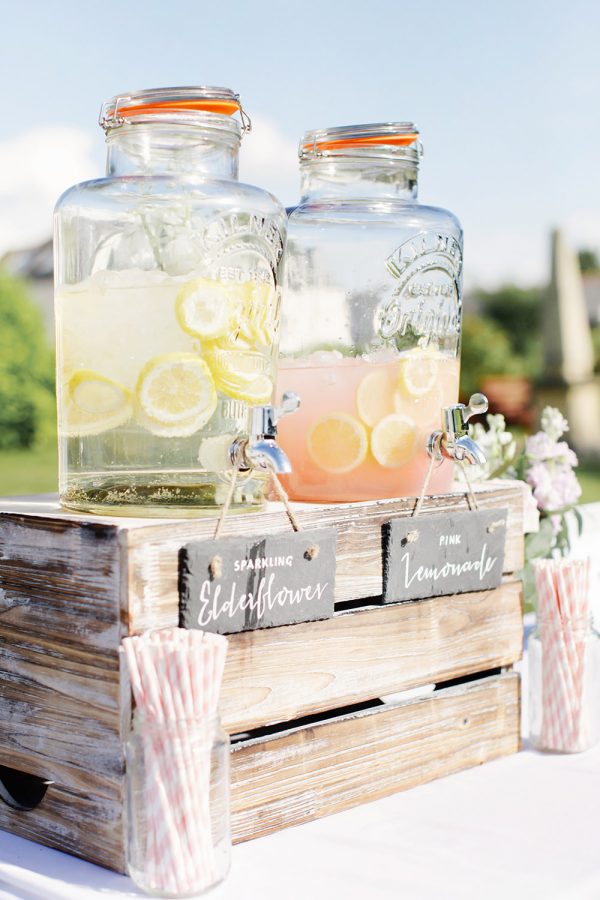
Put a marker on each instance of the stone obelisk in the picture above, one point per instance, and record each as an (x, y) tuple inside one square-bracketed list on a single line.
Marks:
[(568, 369)]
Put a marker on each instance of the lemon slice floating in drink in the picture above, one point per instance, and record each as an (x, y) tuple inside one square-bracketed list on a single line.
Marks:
[(394, 441), (239, 373), (338, 443), (375, 397), (418, 372), (238, 367), (94, 403), (175, 394), (262, 313), (255, 392), (207, 308)]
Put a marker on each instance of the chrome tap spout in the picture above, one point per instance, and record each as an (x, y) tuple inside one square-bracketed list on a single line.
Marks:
[(467, 450), (260, 449), (453, 442), (268, 456)]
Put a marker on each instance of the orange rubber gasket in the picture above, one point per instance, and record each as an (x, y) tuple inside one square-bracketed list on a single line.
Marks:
[(395, 139), (224, 107)]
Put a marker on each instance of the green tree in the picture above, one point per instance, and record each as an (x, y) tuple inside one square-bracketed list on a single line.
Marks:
[(27, 406), (518, 311), (486, 350), (588, 261)]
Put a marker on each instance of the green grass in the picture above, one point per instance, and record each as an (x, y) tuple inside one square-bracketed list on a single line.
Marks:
[(28, 471), (589, 479)]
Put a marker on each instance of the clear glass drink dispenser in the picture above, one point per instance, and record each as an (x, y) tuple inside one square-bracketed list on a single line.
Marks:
[(372, 313), (167, 311)]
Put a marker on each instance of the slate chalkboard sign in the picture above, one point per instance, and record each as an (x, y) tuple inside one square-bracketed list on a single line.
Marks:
[(429, 556), (243, 583)]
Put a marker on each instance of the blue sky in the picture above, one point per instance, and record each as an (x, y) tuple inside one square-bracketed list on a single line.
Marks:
[(506, 95)]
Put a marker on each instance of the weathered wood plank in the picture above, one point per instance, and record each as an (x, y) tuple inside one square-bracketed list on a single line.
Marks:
[(76, 822), (61, 578), (283, 673), (318, 770), (74, 743), (153, 550)]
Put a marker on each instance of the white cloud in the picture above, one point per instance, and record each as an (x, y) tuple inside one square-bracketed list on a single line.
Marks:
[(269, 159), (35, 168)]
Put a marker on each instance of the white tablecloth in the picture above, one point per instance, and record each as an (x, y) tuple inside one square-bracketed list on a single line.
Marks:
[(526, 826)]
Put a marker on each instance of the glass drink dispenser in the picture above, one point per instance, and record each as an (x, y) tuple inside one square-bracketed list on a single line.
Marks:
[(167, 311), (372, 311)]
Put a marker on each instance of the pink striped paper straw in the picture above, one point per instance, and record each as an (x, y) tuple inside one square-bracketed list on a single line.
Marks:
[(175, 678), (563, 610)]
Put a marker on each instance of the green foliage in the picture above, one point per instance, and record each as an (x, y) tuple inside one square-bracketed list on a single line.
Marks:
[(27, 406), (596, 343), (588, 261), (518, 311), (486, 350)]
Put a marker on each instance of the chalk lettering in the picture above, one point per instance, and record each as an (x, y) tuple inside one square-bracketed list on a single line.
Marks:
[(212, 606), (482, 566)]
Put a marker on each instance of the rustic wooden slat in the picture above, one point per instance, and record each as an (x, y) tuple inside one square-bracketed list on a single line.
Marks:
[(76, 822), (321, 769), (61, 578), (63, 703), (68, 741), (280, 674), (153, 549), (71, 586)]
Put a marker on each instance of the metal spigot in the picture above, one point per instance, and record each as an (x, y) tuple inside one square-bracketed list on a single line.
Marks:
[(453, 441), (260, 450)]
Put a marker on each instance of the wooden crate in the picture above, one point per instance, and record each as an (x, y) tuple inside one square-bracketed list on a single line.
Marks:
[(311, 735)]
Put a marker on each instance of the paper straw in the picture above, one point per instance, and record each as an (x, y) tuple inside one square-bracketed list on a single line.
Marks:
[(563, 612), (175, 678)]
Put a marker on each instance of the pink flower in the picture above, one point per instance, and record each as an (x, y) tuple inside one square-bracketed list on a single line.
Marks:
[(539, 446), (554, 485), (564, 454)]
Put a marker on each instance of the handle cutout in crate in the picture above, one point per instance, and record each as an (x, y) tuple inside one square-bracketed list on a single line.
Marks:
[(244, 583), (429, 556), (20, 790)]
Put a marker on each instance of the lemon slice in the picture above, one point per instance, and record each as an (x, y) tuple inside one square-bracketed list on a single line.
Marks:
[(94, 403), (238, 367), (338, 443), (418, 373), (394, 441), (184, 428), (375, 397), (262, 313), (208, 309), (425, 410), (176, 389), (255, 392)]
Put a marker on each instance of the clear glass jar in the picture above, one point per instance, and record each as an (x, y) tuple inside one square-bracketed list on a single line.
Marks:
[(371, 318), (177, 813), (167, 309), (564, 686)]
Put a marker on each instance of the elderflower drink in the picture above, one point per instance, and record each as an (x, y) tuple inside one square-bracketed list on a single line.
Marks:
[(167, 311)]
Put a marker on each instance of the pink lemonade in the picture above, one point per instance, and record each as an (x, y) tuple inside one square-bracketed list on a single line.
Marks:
[(362, 428)]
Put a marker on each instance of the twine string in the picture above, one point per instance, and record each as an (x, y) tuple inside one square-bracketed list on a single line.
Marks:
[(426, 480), (472, 500), (228, 499), (282, 495), (279, 490)]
